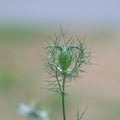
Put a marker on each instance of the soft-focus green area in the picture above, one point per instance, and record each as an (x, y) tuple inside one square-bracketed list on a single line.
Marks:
[(23, 76)]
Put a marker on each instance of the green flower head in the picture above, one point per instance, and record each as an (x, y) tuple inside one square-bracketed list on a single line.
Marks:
[(65, 58)]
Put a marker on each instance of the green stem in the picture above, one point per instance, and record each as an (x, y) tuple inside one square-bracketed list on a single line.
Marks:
[(63, 98)]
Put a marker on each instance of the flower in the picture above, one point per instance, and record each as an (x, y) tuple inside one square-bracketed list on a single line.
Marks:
[(24, 109), (66, 58), (33, 112)]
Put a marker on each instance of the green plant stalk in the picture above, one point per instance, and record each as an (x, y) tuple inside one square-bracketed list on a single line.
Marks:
[(63, 97), (65, 61)]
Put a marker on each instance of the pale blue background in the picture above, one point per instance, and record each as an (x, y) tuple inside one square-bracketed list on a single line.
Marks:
[(87, 11)]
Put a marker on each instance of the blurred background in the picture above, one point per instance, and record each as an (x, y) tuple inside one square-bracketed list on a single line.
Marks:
[(24, 27)]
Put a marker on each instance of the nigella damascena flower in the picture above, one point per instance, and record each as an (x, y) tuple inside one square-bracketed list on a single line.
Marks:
[(67, 57)]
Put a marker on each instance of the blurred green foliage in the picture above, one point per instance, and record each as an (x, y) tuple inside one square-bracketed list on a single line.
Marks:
[(7, 78), (19, 33)]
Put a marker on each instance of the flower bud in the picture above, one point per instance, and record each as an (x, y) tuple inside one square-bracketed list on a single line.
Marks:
[(65, 59)]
